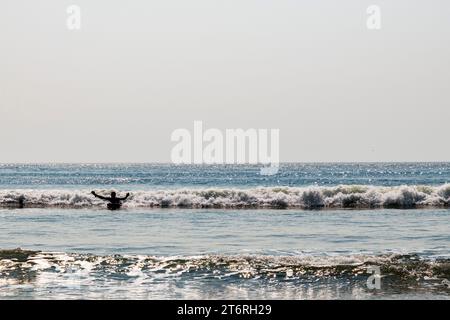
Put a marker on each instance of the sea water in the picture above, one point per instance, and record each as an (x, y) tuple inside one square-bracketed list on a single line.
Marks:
[(203, 232)]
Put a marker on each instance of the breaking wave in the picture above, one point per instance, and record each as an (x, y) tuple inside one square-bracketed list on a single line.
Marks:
[(19, 265), (343, 196)]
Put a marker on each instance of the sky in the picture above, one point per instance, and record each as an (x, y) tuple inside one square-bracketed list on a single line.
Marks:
[(115, 90)]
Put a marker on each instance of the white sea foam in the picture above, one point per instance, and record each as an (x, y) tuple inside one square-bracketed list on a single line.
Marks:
[(82, 276), (236, 264), (343, 196)]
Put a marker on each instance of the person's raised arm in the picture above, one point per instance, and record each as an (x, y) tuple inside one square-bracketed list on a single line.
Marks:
[(125, 198), (98, 196)]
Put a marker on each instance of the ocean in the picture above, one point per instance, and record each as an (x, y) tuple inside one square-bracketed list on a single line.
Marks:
[(312, 231)]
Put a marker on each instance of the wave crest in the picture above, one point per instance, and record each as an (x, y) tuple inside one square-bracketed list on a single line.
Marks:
[(410, 266), (343, 196)]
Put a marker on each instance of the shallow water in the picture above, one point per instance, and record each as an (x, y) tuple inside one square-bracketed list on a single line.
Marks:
[(190, 232), (173, 253)]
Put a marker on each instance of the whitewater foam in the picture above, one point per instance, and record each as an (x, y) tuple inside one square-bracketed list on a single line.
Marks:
[(47, 275), (13, 262), (343, 196)]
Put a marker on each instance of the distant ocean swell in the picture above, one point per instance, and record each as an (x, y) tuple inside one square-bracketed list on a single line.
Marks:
[(344, 196)]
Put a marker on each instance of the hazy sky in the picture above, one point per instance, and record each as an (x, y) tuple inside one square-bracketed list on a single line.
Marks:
[(137, 70)]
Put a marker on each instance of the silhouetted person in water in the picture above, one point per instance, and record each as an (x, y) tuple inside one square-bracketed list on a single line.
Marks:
[(21, 201), (114, 202)]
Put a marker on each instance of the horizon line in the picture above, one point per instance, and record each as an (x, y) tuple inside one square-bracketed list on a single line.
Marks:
[(218, 164)]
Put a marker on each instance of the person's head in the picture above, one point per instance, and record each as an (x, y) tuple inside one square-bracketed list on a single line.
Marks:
[(113, 194)]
